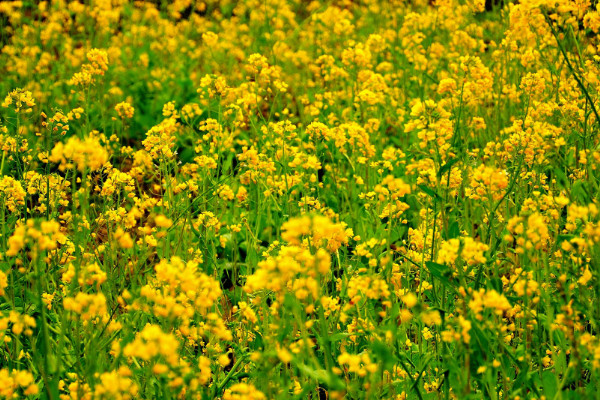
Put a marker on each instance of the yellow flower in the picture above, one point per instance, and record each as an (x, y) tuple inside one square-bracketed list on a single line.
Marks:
[(151, 342), (243, 391), (125, 110), (224, 360), (371, 287), (284, 355), (13, 380), (585, 278), (12, 193), (89, 307), (487, 181), (490, 299), (116, 385), (3, 283), (410, 299), (162, 221), (21, 100), (47, 298), (321, 229), (359, 364), (97, 66), (123, 238), (84, 154), (210, 38)]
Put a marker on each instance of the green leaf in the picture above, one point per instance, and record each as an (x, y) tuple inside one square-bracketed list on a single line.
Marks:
[(332, 381), (437, 269), (430, 193), (480, 338), (580, 192), (549, 384), (440, 272), (338, 336), (446, 167), (562, 238), (454, 230), (384, 354), (497, 285), (561, 177)]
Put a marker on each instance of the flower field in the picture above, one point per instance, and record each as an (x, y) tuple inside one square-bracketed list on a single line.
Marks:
[(290, 199)]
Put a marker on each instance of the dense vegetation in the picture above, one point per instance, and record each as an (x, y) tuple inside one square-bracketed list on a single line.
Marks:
[(286, 199)]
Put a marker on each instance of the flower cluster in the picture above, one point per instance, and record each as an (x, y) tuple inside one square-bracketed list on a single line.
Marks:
[(273, 199)]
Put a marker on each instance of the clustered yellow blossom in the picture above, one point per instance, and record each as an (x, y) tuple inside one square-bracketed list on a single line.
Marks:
[(97, 65), (16, 383), (12, 192), (124, 109), (272, 199), (19, 99), (320, 230), (83, 154), (44, 236)]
